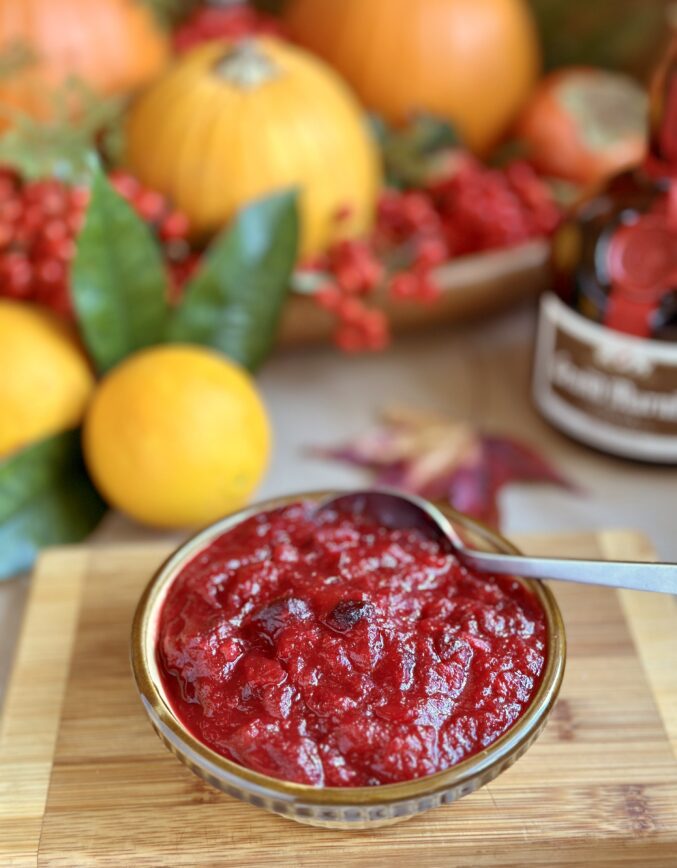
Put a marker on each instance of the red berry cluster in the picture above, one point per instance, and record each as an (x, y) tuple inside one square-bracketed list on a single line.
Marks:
[(471, 209), (409, 230), (489, 209), (39, 221), (353, 272), (223, 22)]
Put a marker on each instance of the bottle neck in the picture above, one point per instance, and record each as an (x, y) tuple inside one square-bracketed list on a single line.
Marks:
[(662, 156)]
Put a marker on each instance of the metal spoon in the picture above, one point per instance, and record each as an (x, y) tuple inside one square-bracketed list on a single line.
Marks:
[(394, 509)]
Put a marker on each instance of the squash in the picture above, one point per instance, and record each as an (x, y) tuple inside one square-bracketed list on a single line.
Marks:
[(473, 62), (230, 123), (113, 46)]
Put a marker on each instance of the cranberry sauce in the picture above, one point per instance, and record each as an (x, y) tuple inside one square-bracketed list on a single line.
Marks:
[(328, 650)]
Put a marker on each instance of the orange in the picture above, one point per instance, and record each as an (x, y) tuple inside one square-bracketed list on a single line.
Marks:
[(473, 62), (45, 378), (177, 436)]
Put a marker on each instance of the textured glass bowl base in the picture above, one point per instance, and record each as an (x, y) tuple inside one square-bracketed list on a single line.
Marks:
[(357, 816), (336, 807)]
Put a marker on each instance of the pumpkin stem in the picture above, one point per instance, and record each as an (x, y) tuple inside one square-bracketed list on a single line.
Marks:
[(247, 66)]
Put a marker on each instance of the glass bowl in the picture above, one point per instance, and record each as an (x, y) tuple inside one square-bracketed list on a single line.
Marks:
[(336, 807)]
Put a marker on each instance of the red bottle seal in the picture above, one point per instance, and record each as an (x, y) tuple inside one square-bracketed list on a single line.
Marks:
[(642, 265)]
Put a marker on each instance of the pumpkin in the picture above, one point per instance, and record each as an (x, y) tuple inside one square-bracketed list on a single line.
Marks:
[(230, 123), (473, 62), (584, 124), (113, 46)]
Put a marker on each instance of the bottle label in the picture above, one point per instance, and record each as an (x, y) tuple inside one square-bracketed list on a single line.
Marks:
[(613, 391)]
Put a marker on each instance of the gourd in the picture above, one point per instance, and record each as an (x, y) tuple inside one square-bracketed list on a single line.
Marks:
[(230, 123), (112, 46), (473, 62)]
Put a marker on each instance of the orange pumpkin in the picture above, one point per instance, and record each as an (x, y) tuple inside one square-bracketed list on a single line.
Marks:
[(471, 61), (231, 123), (114, 46)]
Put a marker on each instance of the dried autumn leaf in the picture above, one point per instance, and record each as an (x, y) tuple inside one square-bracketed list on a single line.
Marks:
[(446, 460)]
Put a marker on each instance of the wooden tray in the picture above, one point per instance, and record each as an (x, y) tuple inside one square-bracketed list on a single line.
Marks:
[(472, 286), (84, 780)]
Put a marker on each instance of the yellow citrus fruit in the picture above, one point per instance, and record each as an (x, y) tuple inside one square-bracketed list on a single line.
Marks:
[(45, 378), (176, 436)]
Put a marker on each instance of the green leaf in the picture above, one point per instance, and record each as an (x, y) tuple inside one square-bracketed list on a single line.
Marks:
[(46, 498), (409, 153), (80, 122), (235, 300), (118, 279)]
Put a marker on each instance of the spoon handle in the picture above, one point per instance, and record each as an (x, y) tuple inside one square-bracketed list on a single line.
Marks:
[(635, 575)]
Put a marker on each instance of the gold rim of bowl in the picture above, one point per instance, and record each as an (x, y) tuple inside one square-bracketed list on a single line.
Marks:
[(498, 754)]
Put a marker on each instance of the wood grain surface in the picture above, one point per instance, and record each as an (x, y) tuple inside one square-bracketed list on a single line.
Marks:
[(85, 781)]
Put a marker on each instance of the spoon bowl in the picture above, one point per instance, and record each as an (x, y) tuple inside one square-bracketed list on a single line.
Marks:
[(397, 512), (395, 509)]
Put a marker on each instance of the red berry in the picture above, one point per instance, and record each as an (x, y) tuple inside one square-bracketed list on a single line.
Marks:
[(349, 339), (428, 288), (368, 332), (174, 225), (79, 197), (54, 230), (431, 251), (672, 206), (229, 22), (149, 204), (6, 235), (17, 274), (328, 297), (12, 210), (40, 220), (404, 286), (351, 310), (126, 185), (375, 329), (50, 272)]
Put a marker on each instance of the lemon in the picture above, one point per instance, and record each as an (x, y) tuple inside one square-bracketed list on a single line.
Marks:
[(45, 378), (176, 436)]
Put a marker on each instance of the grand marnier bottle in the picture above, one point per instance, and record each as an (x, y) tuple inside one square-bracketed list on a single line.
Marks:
[(606, 357)]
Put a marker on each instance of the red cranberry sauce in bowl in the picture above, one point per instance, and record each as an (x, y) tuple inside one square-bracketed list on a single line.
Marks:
[(327, 650)]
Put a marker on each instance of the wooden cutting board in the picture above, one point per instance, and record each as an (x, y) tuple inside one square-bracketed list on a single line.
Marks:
[(85, 781)]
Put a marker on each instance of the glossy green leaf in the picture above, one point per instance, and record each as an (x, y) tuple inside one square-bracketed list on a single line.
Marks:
[(235, 300), (118, 279), (46, 498)]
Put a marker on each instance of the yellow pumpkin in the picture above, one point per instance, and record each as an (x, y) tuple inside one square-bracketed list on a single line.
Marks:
[(471, 61), (114, 46), (230, 123)]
